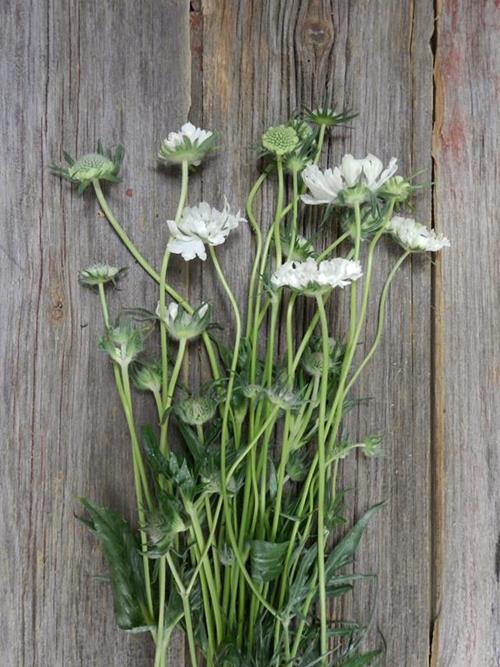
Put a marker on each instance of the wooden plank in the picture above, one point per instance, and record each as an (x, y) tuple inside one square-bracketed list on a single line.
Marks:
[(467, 325), (75, 71), (373, 57)]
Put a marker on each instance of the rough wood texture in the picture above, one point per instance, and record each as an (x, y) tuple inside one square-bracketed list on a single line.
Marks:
[(126, 71), (466, 342)]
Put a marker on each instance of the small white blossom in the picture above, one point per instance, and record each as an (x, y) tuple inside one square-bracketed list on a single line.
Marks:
[(198, 226), (191, 144), (309, 276), (326, 186), (416, 237), (188, 131)]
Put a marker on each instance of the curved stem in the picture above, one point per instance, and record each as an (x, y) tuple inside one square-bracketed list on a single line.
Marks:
[(140, 259), (380, 320)]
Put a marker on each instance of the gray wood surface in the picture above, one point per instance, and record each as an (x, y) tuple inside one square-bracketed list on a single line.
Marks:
[(467, 338), (422, 78)]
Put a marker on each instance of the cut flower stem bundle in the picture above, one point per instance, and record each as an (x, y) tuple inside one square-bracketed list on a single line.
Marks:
[(236, 484)]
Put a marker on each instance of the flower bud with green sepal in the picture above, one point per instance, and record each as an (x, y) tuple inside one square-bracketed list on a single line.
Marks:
[(182, 325), (312, 359), (124, 341), (195, 410), (397, 189), (147, 376), (100, 274), (99, 166), (191, 144)]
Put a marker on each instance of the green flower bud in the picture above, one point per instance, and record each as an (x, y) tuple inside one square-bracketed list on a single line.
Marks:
[(196, 410), (312, 359), (252, 391), (147, 376), (302, 249), (396, 189), (124, 342), (184, 326), (284, 398), (280, 140), (372, 446), (100, 274)]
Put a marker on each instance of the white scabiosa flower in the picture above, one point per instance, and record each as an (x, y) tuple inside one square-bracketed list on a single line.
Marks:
[(311, 278), (191, 144), (352, 181), (416, 237), (324, 186), (198, 226), (338, 272)]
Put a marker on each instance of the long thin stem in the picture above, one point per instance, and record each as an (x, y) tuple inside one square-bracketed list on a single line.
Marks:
[(141, 260), (322, 477)]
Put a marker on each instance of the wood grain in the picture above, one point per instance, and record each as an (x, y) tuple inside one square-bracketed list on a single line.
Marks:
[(467, 326), (73, 72), (77, 71)]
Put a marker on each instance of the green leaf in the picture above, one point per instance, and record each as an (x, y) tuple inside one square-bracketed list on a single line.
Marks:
[(267, 560), (156, 461), (360, 660), (343, 552), (121, 551), (191, 440)]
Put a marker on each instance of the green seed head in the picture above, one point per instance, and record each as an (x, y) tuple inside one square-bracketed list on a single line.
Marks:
[(196, 410), (280, 140), (92, 166)]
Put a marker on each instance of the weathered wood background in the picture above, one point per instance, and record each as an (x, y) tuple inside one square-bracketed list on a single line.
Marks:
[(423, 76)]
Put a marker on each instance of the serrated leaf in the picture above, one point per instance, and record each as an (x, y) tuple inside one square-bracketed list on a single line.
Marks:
[(191, 440), (126, 574), (155, 459), (343, 552), (267, 560)]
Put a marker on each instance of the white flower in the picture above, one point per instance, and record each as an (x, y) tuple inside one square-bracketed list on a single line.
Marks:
[(416, 237), (309, 276), (338, 272), (374, 172), (198, 226), (188, 131), (326, 186), (190, 144)]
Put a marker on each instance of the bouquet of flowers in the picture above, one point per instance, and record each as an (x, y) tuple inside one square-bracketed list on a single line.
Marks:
[(237, 483)]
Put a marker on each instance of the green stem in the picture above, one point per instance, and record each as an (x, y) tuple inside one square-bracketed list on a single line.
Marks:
[(160, 649), (224, 434), (327, 251), (140, 259), (380, 320), (295, 206), (279, 208), (322, 478), (258, 252)]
